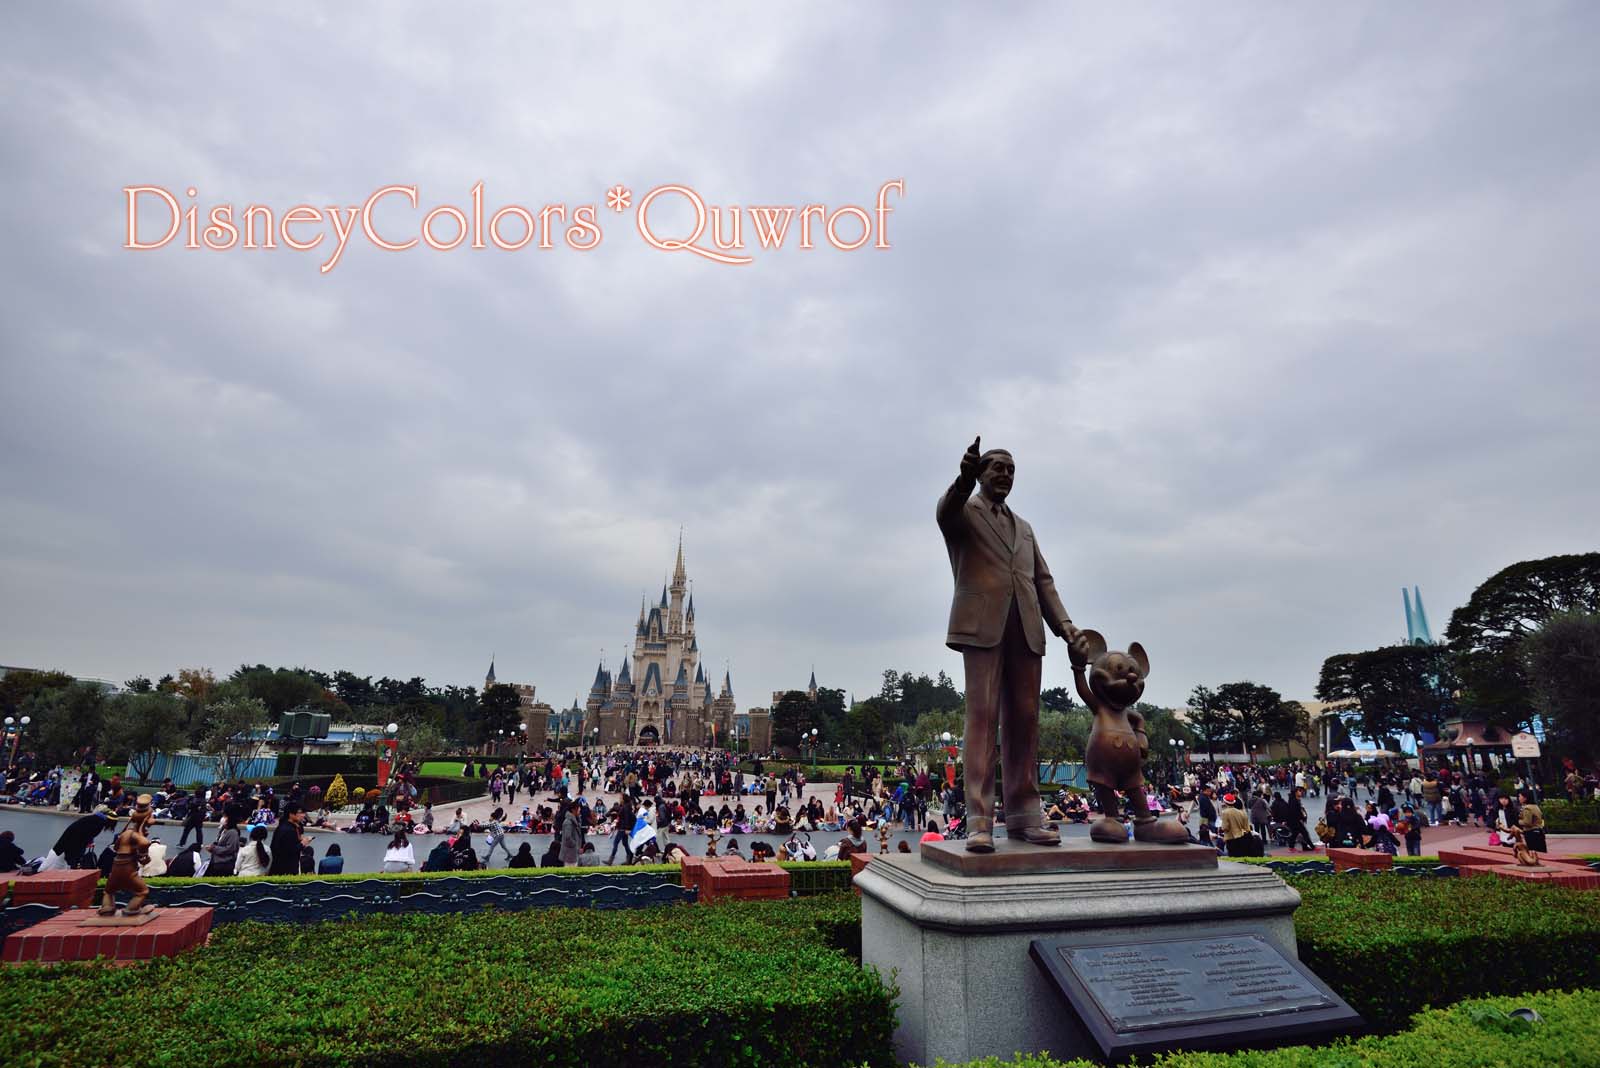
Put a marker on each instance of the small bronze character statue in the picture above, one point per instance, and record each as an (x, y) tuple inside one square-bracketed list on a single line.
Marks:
[(1118, 744), (132, 853), (1525, 857)]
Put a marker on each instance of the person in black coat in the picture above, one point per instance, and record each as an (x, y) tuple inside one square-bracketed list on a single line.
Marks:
[(11, 856), (194, 820), (182, 865), (1208, 807), (79, 835), (286, 842)]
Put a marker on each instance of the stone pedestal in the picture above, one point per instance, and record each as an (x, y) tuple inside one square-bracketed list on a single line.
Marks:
[(957, 945)]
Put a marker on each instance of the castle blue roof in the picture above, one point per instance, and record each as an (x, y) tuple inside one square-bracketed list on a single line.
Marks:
[(683, 673), (624, 679), (652, 678)]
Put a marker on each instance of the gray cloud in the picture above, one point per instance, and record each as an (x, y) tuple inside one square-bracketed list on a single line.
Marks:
[(1279, 308)]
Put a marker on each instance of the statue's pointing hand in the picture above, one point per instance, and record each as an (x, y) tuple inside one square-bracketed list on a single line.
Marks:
[(971, 460)]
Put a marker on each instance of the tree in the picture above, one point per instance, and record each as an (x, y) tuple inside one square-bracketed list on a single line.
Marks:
[(1056, 699), (195, 686), (280, 689), (1255, 711), (419, 740), (17, 687), (1398, 689), (1063, 737), (68, 721), (1298, 722), (1488, 630), (1562, 662), (502, 710), (793, 716), (140, 684), (140, 727), (1211, 717), (235, 733), (931, 727), (830, 712), (1162, 726), (865, 725)]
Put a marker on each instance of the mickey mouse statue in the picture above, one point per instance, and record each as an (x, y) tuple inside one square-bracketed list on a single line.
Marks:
[(1118, 744)]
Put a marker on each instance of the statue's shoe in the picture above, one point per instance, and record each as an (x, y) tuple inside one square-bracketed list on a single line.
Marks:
[(980, 842), (1037, 836), (1106, 829), (1160, 832)]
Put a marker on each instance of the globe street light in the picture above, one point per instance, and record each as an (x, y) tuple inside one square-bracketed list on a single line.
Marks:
[(16, 736), (813, 751)]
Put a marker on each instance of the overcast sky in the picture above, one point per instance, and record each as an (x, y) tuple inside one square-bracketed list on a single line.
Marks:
[(1279, 307)]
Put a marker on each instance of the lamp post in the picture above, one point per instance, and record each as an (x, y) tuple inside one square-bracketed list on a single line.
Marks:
[(949, 758), (594, 732), (15, 730), (1177, 744), (522, 729), (813, 751)]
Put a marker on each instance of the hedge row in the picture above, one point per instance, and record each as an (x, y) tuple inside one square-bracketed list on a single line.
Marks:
[(664, 987), (1473, 1034), (1393, 946), (1564, 817), (807, 878)]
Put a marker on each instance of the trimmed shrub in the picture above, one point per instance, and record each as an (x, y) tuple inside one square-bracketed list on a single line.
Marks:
[(357, 795), (1391, 946), (337, 795), (1480, 1034), (664, 987), (808, 877)]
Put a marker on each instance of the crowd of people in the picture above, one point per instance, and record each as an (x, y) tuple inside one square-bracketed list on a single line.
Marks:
[(634, 802)]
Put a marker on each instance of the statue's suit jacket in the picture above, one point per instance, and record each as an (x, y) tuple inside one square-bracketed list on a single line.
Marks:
[(991, 572)]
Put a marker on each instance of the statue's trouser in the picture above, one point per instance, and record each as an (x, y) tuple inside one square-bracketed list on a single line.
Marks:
[(1003, 692)]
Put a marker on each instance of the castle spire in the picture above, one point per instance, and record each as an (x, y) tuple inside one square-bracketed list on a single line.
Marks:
[(679, 575)]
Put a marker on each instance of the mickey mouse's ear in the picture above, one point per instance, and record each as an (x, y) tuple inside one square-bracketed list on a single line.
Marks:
[(1096, 643), (1137, 652)]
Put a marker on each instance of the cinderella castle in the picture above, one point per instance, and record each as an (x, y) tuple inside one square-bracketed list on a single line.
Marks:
[(661, 695)]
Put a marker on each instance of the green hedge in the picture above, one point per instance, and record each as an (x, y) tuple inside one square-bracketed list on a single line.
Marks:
[(665, 987), (1392, 946), (806, 877), (1474, 1034), (316, 765), (1563, 817)]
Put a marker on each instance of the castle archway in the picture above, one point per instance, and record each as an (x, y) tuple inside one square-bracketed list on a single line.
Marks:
[(649, 736)]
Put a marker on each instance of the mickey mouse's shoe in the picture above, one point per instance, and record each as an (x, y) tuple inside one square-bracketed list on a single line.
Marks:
[(1160, 832), (980, 842)]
